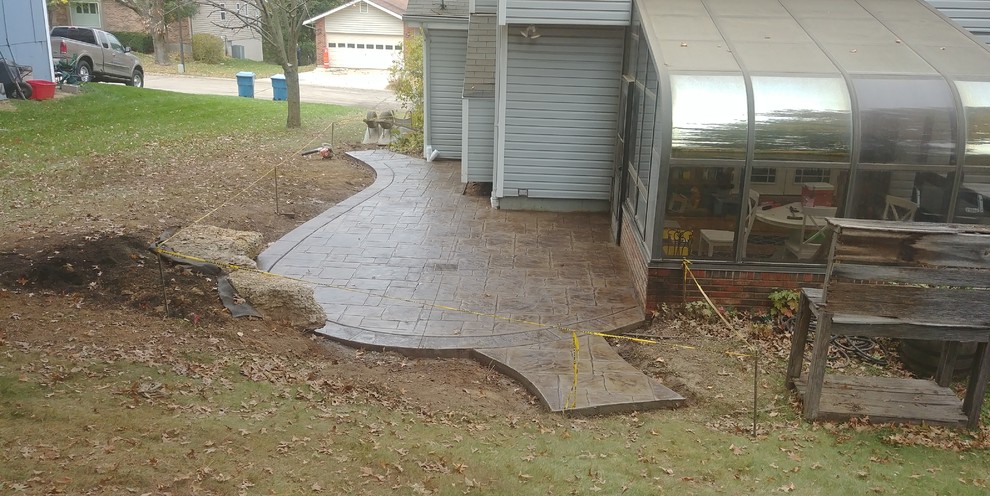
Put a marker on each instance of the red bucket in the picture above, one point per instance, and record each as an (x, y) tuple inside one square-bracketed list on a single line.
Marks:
[(42, 90)]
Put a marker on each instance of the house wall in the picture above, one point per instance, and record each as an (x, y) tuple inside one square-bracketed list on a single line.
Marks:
[(117, 17), (973, 15), (447, 50), (322, 57), (208, 20), (350, 26), (374, 21), (113, 17), (478, 138), (561, 108), (24, 31), (485, 7), (583, 12)]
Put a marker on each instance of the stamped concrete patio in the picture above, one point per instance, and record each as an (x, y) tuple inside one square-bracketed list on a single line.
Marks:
[(413, 265)]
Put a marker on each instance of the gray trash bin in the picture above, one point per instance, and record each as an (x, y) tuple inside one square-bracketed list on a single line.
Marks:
[(245, 84)]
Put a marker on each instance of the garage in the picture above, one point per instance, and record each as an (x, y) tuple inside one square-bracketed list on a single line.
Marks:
[(362, 52), (362, 34)]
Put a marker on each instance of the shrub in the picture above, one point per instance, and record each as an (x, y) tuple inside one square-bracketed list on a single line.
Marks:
[(207, 48), (784, 303), (139, 42), (406, 80)]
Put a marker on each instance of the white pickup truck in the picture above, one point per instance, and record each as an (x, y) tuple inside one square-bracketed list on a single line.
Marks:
[(99, 55)]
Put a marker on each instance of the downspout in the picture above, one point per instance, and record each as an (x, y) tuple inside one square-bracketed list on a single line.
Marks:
[(427, 149), (501, 59)]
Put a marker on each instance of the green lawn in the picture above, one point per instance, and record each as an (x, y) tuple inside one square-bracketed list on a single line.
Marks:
[(119, 425), (227, 69), (111, 119)]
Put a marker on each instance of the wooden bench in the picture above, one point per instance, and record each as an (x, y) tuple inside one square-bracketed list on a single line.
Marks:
[(902, 280)]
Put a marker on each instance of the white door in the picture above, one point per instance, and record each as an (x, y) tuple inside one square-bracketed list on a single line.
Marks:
[(85, 14), (363, 52)]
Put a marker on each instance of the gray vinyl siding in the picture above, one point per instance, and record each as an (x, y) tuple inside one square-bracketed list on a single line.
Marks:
[(24, 29), (485, 7), (448, 49), (477, 164), (973, 15), (374, 21), (562, 96), (580, 12)]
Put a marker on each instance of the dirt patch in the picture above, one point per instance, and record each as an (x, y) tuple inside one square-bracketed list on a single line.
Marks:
[(75, 270)]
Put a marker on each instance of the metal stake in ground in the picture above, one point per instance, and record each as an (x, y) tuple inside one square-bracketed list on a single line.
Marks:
[(756, 380), (276, 191), (161, 272)]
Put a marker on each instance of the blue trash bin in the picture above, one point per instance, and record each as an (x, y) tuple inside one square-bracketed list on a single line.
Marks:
[(245, 84), (279, 90)]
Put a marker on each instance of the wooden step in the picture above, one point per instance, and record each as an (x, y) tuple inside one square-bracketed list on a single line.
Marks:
[(887, 399)]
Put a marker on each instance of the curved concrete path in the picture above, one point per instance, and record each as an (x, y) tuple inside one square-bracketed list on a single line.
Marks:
[(411, 264)]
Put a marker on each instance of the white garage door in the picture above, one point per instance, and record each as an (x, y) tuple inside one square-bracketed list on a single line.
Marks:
[(363, 52)]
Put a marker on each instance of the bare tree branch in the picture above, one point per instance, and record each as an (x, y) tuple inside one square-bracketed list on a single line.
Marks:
[(280, 24)]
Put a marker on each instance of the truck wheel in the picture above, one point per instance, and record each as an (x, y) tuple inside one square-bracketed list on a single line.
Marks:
[(85, 71), (137, 79)]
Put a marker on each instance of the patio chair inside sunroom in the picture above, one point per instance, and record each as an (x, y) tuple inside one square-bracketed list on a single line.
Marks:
[(746, 123)]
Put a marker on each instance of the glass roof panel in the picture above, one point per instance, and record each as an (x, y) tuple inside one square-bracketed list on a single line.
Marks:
[(805, 119), (975, 98), (906, 121), (710, 116)]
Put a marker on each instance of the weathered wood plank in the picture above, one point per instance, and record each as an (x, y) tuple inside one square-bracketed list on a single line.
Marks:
[(886, 225), (918, 248), (892, 385), (912, 303), (935, 276), (795, 359), (979, 375), (841, 403), (861, 325)]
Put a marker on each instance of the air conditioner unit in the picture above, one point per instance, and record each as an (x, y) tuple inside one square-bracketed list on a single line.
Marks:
[(237, 51)]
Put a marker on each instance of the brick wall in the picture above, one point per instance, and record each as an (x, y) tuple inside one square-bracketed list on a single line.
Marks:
[(636, 260), (729, 288), (116, 17), (737, 288), (321, 42), (59, 16)]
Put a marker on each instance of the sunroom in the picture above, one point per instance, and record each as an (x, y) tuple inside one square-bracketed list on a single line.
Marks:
[(745, 123)]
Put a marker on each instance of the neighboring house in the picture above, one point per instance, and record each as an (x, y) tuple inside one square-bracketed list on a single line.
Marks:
[(239, 42), (688, 120), (108, 15), (24, 35), (362, 34)]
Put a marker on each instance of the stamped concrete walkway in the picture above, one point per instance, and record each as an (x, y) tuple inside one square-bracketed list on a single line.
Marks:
[(411, 264)]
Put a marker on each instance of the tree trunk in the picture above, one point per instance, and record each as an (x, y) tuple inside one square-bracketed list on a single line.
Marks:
[(156, 25), (161, 48), (294, 118)]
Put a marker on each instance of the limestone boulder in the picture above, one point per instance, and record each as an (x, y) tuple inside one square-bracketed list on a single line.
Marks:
[(219, 245), (280, 298)]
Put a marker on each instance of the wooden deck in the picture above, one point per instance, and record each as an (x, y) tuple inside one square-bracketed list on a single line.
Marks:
[(886, 399)]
